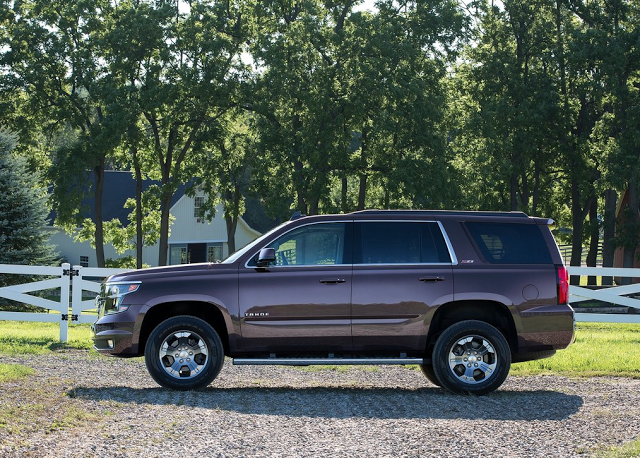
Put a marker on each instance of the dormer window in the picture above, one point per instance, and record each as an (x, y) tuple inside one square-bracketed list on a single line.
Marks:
[(198, 209)]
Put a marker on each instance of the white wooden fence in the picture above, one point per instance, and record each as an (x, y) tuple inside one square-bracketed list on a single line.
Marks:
[(65, 308), (72, 307), (613, 294)]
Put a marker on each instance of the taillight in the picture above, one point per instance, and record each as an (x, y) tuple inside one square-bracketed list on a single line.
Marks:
[(563, 285)]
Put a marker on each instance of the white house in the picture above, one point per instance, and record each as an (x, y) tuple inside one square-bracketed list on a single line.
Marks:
[(191, 239)]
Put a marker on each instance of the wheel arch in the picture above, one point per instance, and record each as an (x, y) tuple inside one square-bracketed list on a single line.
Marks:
[(203, 310), (494, 313)]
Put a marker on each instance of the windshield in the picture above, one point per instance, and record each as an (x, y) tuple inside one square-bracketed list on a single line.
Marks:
[(253, 245)]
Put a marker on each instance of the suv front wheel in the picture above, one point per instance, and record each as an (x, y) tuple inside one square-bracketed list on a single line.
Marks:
[(184, 353), (471, 357)]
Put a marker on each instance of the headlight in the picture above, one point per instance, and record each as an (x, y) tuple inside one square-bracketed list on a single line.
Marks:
[(114, 294)]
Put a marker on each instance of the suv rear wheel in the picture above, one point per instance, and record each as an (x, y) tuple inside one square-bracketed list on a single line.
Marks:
[(471, 357), (427, 371), (184, 353)]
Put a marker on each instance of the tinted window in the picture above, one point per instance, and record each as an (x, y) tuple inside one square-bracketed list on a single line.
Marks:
[(315, 244), (510, 243), (400, 243)]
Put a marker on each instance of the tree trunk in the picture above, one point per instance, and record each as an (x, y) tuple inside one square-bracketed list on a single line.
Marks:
[(343, 196), (231, 217), (594, 239), (163, 244), (139, 215), (610, 198), (232, 224), (577, 217), (513, 188), (300, 186), (314, 205), (98, 219), (633, 218), (536, 190), (362, 191)]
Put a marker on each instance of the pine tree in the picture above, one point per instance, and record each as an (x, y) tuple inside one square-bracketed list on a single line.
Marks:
[(23, 213)]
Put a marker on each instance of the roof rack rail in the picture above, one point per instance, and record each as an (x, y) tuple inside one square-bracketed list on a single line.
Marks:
[(512, 214)]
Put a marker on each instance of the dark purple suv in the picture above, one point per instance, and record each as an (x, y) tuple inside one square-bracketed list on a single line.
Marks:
[(461, 294)]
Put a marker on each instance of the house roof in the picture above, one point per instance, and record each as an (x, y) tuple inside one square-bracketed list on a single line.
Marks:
[(118, 187), (121, 185)]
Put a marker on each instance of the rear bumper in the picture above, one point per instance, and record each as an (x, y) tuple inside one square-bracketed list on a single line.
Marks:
[(546, 328)]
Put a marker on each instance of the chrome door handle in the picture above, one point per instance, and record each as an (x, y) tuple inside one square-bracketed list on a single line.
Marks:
[(332, 281)]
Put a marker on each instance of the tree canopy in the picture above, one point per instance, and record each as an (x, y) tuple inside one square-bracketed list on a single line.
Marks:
[(323, 106)]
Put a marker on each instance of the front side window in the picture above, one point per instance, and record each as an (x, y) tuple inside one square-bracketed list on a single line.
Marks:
[(401, 243), (311, 245)]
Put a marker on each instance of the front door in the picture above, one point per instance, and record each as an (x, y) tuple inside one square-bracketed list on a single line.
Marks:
[(401, 271), (303, 299)]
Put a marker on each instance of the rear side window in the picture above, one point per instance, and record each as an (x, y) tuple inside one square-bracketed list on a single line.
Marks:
[(510, 243), (400, 243)]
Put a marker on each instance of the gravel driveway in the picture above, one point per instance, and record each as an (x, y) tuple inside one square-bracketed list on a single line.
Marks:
[(79, 404)]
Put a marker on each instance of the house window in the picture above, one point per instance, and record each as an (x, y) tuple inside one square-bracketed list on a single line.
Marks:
[(178, 254), (198, 209), (84, 261), (214, 253)]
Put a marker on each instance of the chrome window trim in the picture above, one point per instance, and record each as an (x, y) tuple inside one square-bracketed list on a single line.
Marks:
[(447, 241), (452, 254), (406, 264)]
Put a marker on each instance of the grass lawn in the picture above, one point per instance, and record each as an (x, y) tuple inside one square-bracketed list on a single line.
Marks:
[(14, 371), (23, 337), (600, 349)]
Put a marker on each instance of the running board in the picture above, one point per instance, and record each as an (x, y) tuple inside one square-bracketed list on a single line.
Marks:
[(325, 361)]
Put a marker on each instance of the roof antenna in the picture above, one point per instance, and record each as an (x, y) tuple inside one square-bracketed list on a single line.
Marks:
[(297, 215)]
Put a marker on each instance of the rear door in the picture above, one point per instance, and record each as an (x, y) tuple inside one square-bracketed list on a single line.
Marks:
[(402, 270)]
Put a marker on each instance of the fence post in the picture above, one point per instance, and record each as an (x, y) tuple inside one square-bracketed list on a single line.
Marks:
[(64, 301), (76, 292)]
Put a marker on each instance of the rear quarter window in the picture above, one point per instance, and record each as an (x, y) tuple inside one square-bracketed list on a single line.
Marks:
[(509, 243)]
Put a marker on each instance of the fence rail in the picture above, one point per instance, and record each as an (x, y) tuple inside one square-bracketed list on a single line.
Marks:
[(72, 282), (66, 280), (612, 294)]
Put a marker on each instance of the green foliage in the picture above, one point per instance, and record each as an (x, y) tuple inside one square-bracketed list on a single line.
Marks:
[(320, 107), (23, 211), (23, 217), (125, 262)]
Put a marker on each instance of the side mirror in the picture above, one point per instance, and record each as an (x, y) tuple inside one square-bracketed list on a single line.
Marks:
[(266, 257)]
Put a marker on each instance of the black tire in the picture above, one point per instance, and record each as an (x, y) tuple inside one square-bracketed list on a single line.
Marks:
[(427, 371), (184, 353), (471, 357)]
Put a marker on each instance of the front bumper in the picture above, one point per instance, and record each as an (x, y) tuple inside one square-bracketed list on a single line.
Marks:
[(114, 335)]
